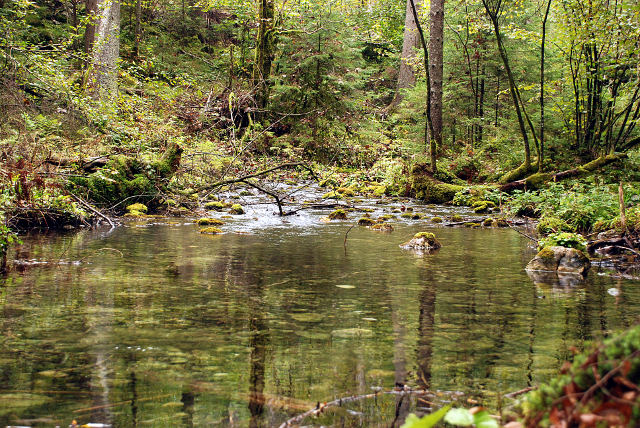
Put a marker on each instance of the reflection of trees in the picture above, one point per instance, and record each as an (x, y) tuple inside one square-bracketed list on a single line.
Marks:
[(426, 322), (258, 342)]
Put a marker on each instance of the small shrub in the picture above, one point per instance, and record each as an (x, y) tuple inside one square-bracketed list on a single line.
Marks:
[(564, 239)]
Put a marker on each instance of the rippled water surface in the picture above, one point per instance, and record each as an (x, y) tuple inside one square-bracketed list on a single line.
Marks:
[(154, 324)]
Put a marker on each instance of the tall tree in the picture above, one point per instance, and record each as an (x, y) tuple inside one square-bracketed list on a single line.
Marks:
[(495, 9), (429, 125), (436, 44), (265, 52), (104, 49), (410, 43)]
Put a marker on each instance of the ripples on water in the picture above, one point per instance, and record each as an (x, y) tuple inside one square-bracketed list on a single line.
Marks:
[(154, 324)]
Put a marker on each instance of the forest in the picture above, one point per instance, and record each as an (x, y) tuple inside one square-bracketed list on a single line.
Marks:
[(507, 122)]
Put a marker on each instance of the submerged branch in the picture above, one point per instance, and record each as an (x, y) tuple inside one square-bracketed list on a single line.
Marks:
[(321, 407)]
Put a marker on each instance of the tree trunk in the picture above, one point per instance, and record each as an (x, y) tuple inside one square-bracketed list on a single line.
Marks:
[(265, 47), (544, 35), (493, 12), (436, 34), (103, 71), (428, 131), (90, 31), (406, 73), (138, 35)]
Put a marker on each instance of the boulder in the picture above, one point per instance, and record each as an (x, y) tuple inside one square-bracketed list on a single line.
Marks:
[(561, 260), (422, 241)]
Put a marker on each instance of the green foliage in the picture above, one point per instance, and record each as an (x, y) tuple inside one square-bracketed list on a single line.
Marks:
[(580, 204), (548, 225), (464, 417), (564, 239), (427, 421)]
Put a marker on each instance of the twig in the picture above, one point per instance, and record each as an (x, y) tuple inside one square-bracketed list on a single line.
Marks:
[(520, 392), (92, 209), (346, 235)]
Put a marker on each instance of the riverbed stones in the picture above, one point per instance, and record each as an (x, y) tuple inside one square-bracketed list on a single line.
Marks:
[(561, 260)]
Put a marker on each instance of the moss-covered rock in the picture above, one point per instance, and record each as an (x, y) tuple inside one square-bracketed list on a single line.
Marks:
[(428, 189), (209, 222), (501, 222), (456, 218), (472, 225), (338, 215), (386, 217), (487, 222), (436, 220), (423, 241), (214, 205), (366, 221), (211, 230), (236, 209), (126, 177), (483, 206), (137, 207), (561, 260)]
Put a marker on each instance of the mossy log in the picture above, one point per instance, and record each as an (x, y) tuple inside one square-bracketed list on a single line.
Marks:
[(538, 180), (424, 186), (516, 174)]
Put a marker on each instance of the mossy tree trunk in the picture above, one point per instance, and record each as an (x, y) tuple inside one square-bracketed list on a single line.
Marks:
[(265, 52)]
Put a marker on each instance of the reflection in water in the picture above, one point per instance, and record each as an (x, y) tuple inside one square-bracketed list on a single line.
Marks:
[(174, 328)]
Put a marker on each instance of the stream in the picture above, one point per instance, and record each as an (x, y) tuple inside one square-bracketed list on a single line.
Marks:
[(153, 324)]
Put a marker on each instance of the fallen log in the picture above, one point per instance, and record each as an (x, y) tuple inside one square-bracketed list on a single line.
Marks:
[(536, 181)]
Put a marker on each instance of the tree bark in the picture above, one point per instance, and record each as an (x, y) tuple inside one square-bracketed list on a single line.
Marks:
[(90, 31), (436, 34), (265, 49), (103, 71), (411, 42), (138, 30), (544, 35), (428, 134)]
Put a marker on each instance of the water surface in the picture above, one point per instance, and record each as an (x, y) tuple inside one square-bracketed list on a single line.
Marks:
[(154, 324)]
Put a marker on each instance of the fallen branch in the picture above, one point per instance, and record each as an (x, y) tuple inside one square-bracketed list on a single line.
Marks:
[(244, 179), (92, 209), (321, 407)]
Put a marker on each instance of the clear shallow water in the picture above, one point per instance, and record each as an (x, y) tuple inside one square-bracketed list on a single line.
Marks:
[(155, 324)]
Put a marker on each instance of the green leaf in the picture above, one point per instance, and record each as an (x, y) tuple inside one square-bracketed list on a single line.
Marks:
[(428, 421), (483, 419), (459, 416)]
